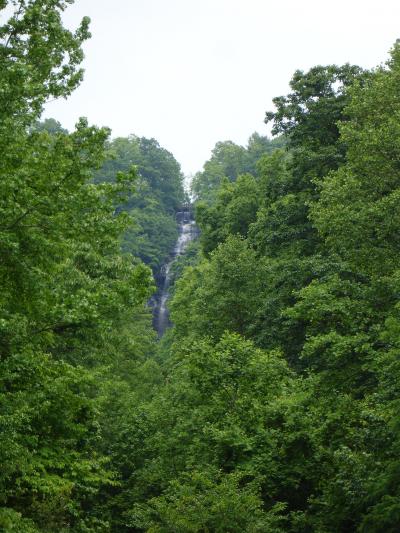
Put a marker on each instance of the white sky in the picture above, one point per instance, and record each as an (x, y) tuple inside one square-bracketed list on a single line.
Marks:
[(194, 72)]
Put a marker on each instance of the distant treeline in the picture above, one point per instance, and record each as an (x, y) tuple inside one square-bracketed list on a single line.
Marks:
[(152, 203)]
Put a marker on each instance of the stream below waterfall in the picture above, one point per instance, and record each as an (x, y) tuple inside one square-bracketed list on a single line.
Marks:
[(187, 232)]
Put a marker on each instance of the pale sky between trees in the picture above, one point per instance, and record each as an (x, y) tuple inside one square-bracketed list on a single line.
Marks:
[(194, 72)]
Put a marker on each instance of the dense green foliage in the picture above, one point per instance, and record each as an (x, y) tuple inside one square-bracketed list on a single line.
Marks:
[(303, 264), (158, 195), (68, 296), (272, 403), (282, 369), (228, 161)]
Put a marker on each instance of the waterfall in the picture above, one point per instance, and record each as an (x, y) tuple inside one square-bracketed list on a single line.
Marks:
[(187, 233)]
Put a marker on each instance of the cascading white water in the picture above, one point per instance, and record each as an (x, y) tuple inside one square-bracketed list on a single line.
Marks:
[(187, 233)]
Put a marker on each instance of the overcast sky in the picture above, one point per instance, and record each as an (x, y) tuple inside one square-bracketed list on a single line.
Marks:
[(194, 72)]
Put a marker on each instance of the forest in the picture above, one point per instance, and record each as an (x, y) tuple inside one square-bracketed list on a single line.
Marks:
[(272, 402)]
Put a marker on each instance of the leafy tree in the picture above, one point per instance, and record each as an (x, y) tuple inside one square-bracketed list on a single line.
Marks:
[(308, 117), (229, 160), (222, 294), (234, 209), (319, 285), (356, 215), (66, 289), (50, 125), (158, 195), (213, 436)]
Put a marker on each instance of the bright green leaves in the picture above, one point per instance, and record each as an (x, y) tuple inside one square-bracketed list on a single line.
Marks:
[(39, 58), (359, 206), (273, 404), (218, 431), (223, 294), (303, 260), (157, 196), (309, 114), (228, 161), (48, 435), (208, 501), (67, 293), (60, 239), (233, 210)]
